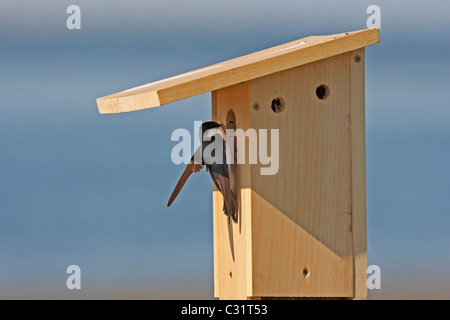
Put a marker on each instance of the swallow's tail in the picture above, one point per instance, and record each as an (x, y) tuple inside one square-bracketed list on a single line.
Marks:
[(187, 172), (230, 207), (191, 167)]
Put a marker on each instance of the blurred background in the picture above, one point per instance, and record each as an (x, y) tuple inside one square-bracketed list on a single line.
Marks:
[(81, 188)]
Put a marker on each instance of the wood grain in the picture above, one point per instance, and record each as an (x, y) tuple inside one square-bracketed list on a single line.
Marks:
[(302, 216), (245, 68), (311, 215), (232, 243), (357, 105)]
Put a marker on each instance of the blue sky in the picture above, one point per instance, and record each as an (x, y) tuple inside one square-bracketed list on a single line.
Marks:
[(81, 188)]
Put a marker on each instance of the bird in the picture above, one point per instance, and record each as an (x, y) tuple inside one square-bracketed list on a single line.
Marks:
[(220, 171)]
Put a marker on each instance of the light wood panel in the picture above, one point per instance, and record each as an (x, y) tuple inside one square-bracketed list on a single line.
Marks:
[(232, 242), (357, 96), (224, 74), (302, 216)]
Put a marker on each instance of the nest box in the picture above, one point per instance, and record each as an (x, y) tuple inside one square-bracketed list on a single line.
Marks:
[(302, 231)]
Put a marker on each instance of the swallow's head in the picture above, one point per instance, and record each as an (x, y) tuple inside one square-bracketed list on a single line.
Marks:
[(209, 129), (209, 125)]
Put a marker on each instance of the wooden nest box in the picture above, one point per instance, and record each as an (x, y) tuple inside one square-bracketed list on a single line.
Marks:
[(302, 231)]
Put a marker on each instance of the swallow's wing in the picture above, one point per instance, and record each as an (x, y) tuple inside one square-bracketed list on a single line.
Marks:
[(191, 167), (220, 175)]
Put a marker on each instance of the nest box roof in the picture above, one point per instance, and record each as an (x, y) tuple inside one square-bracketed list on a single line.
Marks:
[(245, 68)]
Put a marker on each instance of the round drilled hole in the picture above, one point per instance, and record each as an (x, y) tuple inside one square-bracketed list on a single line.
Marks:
[(306, 272), (278, 105), (323, 92)]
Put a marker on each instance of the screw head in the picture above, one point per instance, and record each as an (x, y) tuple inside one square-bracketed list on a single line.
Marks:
[(357, 58), (256, 106)]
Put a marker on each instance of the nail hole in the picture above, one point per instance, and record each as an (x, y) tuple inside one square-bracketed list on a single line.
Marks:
[(231, 274), (256, 106), (322, 92), (305, 272), (278, 104)]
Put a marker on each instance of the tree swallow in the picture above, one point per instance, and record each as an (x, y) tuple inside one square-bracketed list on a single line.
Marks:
[(220, 170)]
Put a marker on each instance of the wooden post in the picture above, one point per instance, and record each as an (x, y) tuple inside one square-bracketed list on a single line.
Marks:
[(302, 231)]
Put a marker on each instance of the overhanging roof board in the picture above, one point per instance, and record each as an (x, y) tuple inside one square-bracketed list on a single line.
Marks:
[(244, 68)]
